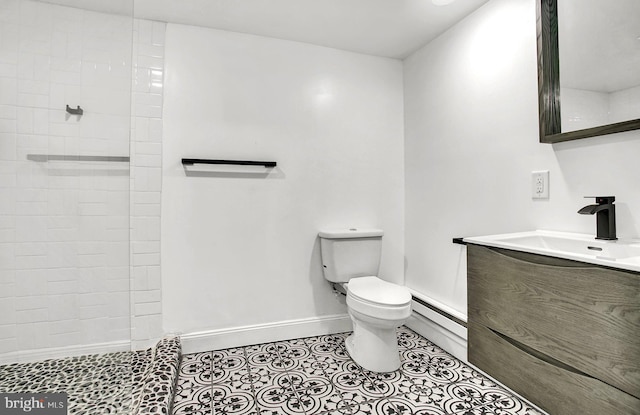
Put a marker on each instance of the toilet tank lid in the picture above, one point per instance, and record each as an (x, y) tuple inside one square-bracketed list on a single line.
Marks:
[(350, 233)]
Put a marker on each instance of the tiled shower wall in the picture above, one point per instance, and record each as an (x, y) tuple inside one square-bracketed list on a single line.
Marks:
[(146, 181), (66, 227)]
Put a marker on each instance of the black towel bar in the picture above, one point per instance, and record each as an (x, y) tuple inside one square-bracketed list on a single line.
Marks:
[(269, 164)]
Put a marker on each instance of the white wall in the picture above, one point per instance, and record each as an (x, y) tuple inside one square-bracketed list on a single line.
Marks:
[(241, 249), (471, 125)]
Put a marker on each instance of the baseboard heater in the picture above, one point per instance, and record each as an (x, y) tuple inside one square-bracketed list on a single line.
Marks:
[(340, 289), (439, 311)]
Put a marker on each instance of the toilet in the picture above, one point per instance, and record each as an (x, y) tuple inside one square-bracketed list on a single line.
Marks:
[(351, 257)]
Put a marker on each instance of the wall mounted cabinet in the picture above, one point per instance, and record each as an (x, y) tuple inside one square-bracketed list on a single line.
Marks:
[(564, 334)]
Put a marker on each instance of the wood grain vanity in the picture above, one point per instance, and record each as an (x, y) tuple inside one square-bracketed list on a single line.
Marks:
[(564, 334)]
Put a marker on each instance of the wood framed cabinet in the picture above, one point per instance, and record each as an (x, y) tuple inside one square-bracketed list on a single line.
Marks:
[(563, 334)]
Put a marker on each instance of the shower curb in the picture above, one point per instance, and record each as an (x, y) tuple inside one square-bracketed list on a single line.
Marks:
[(158, 385)]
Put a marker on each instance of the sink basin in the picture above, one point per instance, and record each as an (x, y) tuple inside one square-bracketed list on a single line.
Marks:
[(624, 254)]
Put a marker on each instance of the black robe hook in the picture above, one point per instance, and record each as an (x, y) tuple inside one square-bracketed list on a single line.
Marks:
[(77, 111)]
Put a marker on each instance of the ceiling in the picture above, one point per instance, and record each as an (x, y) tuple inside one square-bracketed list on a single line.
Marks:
[(389, 28)]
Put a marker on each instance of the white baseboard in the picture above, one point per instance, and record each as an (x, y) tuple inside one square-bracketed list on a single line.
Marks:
[(446, 333), (26, 356), (264, 333)]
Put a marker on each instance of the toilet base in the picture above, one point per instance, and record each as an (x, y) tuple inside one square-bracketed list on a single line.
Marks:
[(374, 348)]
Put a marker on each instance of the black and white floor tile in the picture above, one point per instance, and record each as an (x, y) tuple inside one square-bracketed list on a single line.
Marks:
[(315, 375), (95, 384), (123, 383)]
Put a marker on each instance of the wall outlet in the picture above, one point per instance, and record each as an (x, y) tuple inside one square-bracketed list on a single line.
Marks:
[(540, 184)]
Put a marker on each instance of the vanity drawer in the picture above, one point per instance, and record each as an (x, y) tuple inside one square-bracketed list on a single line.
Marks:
[(585, 316), (556, 389)]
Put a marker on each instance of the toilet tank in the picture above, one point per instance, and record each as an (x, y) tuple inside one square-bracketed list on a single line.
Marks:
[(350, 253)]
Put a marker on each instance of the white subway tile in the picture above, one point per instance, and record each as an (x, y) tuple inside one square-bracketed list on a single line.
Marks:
[(147, 296), (145, 32), (9, 344), (144, 198), (9, 126), (30, 283), (145, 229), (31, 228), (7, 331), (63, 327), (62, 63), (26, 66), (8, 112), (92, 311), (7, 193), (145, 309), (62, 307), (147, 247), (63, 274), (36, 315), (40, 121), (121, 285), (32, 208), (33, 100), (93, 298), (59, 44), (30, 302), (146, 259), (63, 254), (148, 149), (117, 254), (41, 68), (154, 276), (155, 130), (30, 86), (33, 262), (92, 209), (9, 88), (145, 210), (91, 260), (148, 160), (7, 311), (24, 121), (152, 51), (32, 336), (8, 144), (158, 33), (31, 248), (8, 70), (62, 287)]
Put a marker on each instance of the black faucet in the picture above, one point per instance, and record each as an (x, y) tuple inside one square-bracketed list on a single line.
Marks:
[(605, 212)]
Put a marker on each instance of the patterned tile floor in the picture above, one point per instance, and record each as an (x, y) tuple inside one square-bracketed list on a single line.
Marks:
[(316, 376)]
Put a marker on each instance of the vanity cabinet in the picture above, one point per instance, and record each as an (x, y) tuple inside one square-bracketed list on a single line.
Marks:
[(563, 334)]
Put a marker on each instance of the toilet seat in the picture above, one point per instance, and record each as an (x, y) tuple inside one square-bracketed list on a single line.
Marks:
[(377, 292), (378, 299)]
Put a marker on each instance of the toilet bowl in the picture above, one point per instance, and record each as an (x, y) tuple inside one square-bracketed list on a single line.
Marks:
[(376, 308), (351, 257)]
